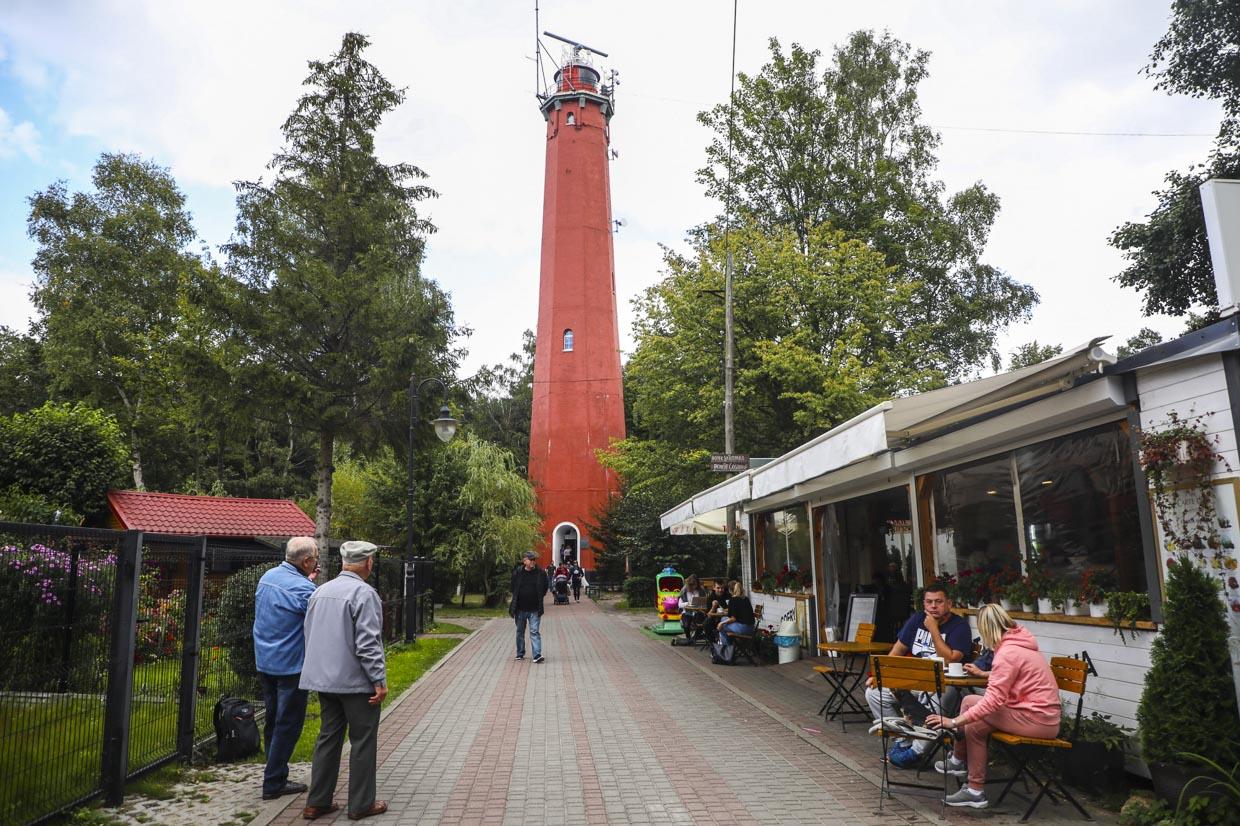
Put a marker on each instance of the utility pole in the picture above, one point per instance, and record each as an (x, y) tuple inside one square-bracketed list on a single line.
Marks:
[(729, 437)]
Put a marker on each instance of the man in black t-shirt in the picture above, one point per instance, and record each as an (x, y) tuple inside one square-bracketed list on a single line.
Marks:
[(529, 588)]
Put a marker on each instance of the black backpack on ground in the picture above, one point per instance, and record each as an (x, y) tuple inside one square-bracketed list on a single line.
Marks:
[(236, 732), (723, 651)]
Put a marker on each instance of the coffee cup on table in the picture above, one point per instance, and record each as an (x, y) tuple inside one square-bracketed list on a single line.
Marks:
[(955, 670)]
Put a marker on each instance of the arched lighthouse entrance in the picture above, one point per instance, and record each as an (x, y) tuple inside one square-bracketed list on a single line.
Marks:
[(566, 537)]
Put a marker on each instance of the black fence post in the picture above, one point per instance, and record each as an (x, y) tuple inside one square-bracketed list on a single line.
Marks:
[(117, 708), (191, 646), (411, 600)]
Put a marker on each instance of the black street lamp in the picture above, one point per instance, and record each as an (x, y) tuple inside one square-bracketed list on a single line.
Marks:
[(445, 429)]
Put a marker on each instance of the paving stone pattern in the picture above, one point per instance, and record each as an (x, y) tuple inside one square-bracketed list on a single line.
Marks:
[(619, 727)]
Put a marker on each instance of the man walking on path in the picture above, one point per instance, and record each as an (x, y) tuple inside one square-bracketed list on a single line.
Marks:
[(529, 587), (345, 664), (279, 649)]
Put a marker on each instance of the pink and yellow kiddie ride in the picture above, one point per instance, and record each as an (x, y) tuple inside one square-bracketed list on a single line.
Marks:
[(668, 585)]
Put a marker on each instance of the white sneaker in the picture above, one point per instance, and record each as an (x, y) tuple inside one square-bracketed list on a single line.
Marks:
[(952, 766), (967, 797)]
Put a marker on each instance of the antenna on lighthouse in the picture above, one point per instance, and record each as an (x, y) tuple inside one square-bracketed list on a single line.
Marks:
[(577, 47)]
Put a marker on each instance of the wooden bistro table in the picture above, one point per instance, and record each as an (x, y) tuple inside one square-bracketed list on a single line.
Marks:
[(967, 681), (844, 681)]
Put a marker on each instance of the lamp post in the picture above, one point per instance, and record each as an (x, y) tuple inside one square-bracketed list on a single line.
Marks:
[(445, 429)]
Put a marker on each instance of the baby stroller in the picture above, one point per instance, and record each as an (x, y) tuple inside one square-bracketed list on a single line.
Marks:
[(560, 589)]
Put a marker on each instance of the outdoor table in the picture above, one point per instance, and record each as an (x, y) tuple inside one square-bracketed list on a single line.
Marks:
[(967, 681), (696, 632), (842, 701)]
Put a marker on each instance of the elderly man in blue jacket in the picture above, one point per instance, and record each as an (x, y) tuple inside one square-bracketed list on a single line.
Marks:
[(279, 649), (346, 666)]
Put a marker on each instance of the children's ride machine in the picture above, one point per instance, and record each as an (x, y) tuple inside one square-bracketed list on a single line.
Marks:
[(668, 585)]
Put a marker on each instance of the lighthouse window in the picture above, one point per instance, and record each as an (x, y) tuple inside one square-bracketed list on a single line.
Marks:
[(568, 341), (570, 120)]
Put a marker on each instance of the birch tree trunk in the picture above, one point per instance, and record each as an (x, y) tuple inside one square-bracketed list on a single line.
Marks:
[(323, 500)]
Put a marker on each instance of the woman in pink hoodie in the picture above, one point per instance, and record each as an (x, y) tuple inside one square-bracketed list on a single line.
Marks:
[(1021, 697)]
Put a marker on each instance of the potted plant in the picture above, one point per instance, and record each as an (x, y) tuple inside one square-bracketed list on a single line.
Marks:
[(999, 586), (1040, 584), (1096, 583), (1058, 595), (972, 585), (1179, 460), (1019, 594), (1096, 760), (1124, 608), (1188, 705), (766, 582)]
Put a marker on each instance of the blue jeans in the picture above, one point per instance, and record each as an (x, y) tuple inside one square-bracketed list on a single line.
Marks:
[(736, 628), (286, 713), (534, 619)]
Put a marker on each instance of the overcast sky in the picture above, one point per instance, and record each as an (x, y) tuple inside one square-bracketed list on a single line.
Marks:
[(202, 88)]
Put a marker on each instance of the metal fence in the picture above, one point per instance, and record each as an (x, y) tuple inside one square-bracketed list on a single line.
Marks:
[(116, 646)]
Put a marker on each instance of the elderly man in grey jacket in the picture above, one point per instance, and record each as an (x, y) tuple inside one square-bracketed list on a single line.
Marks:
[(345, 665)]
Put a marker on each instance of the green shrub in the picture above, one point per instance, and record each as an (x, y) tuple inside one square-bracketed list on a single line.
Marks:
[(34, 602), (67, 454), (639, 591), (17, 505), (233, 626), (1189, 697)]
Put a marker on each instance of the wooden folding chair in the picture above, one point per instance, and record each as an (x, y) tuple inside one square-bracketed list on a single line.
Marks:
[(1070, 674), (747, 643), (910, 674), (843, 674)]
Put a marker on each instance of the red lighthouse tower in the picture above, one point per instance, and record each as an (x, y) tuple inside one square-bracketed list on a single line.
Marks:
[(578, 404)]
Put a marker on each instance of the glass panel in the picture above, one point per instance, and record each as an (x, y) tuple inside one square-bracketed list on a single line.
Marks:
[(975, 517), (1078, 498), (877, 556), (786, 541)]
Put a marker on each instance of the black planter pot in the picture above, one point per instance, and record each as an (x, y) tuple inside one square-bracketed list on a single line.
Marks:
[(1170, 779), (1091, 766)]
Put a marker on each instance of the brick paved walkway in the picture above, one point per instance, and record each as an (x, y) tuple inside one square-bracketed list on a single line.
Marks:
[(617, 727)]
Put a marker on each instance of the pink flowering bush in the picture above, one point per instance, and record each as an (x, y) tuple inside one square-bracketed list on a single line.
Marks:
[(34, 613)]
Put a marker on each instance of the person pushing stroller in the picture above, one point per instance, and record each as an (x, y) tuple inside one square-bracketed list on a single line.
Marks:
[(559, 584)]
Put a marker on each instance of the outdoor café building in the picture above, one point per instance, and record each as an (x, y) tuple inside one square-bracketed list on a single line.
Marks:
[(1036, 467)]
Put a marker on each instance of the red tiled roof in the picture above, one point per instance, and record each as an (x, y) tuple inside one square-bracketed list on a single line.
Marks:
[(178, 513)]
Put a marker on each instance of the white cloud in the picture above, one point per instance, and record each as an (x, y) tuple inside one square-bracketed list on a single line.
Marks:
[(16, 312), (204, 88), (18, 139)]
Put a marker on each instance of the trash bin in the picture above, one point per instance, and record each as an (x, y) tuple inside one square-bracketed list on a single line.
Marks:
[(789, 648)]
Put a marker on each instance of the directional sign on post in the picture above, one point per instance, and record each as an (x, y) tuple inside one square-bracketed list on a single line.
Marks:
[(729, 462)]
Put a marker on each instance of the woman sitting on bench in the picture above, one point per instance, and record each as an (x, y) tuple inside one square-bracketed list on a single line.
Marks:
[(740, 613)]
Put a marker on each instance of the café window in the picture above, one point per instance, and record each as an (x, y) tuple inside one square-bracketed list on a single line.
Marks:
[(1065, 506), (785, 542), (975, 517), (1078, 499)]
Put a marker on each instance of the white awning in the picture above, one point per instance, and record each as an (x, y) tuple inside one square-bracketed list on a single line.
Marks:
[(893, 426), (707, 506)]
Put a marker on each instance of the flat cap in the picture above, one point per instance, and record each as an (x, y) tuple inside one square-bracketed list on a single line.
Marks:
[(355, 551)]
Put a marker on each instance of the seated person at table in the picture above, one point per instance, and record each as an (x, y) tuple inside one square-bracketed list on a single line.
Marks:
[(717, 601), (740, 619), (932, 632), (693, 590), (1021, 698)]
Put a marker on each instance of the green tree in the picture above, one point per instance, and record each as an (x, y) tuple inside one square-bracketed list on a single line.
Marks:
[(497, 520), (820, 336), (1143, 338), (330, 302), (655, 476), (845, 145), (66, 455), (111, 271), (22, 374), (1168, 254), (501, 402), (1032, 353)]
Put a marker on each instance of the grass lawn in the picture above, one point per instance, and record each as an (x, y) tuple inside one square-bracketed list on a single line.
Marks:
[(447, 628), (405, 664), (471, 608)]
